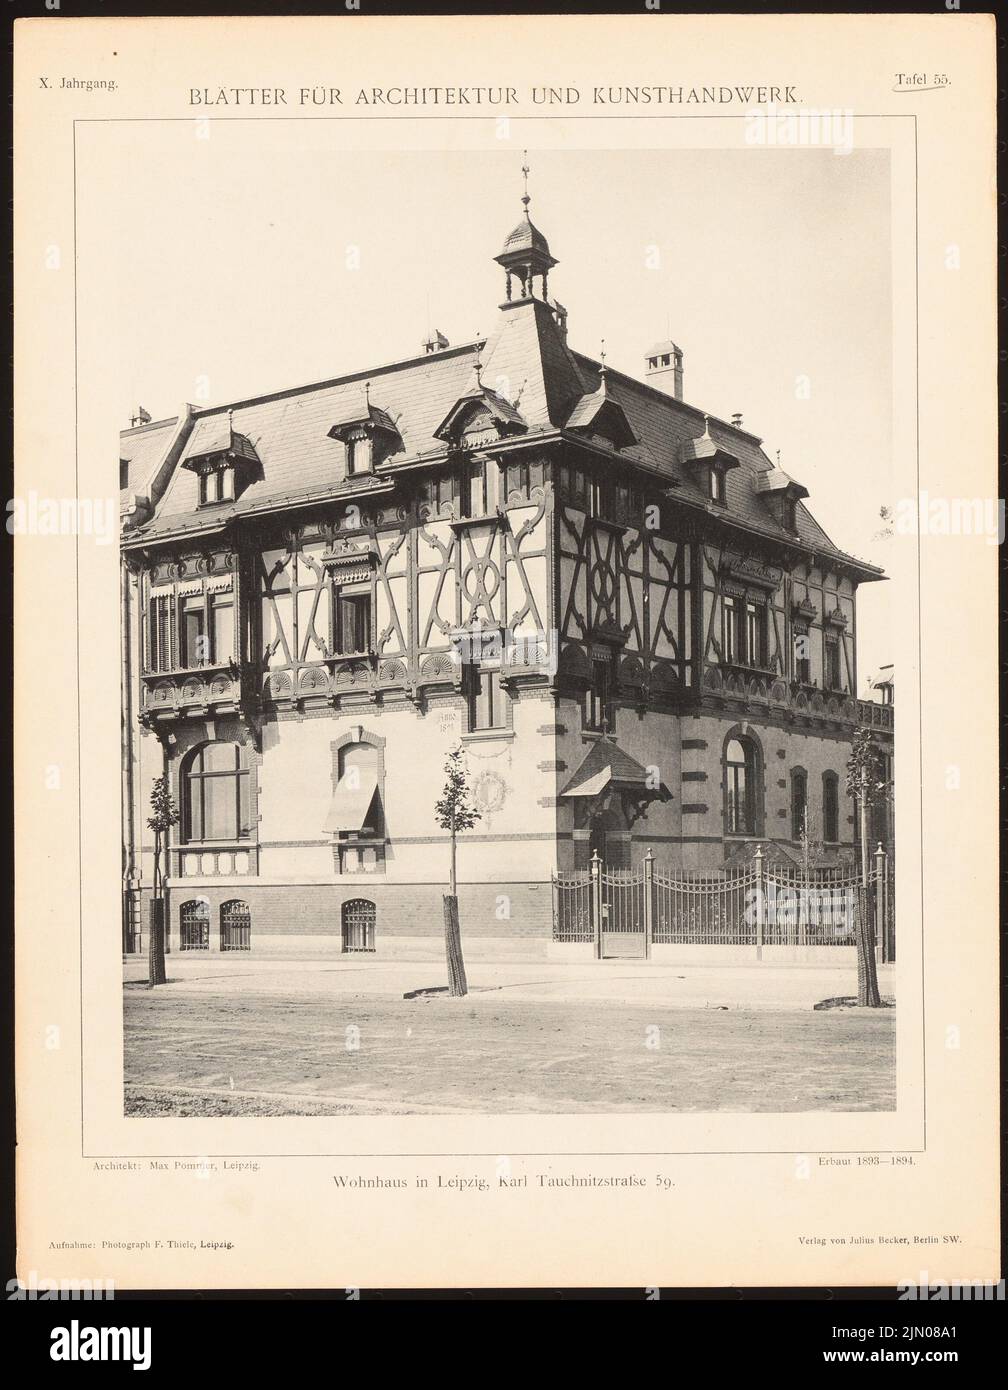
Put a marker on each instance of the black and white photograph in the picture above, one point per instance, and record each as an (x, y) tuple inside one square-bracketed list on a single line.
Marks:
[(508, 712), (465, 838)]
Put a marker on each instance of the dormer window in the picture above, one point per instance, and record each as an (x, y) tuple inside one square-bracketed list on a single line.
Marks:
[(781, 495), (709, 463), (217, 485), (224, 461), (360, 454), (368, 434), (478, 419)]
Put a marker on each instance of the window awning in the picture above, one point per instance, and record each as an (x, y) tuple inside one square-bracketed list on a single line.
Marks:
[(606, 767), (351, 803)]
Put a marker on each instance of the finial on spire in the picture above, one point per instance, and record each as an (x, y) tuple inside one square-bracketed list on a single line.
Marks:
[(478, 365), (367, 394), (778, 458), (602, 365), (525, 173)]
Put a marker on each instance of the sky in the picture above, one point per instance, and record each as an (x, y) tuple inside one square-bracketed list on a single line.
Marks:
[(272, 255)]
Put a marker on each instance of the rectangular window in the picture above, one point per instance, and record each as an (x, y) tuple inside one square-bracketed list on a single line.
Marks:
[(799, 803), (227, 485), (598, 711), (833, 681), (222, 627), (716, 485), (354, 623), (219, 808), (831, 807), (756, 634), (359, 456), (729, 642), (446, 491), (159, 633), (482, 488), (194, 652), (487, 700), (802, 652)]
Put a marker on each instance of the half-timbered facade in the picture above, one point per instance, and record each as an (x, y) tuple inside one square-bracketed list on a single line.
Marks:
[(617, 604)]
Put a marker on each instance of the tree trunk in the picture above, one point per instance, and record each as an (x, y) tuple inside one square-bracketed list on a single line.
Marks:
[(457, 986), (156, 973), (867, 975)]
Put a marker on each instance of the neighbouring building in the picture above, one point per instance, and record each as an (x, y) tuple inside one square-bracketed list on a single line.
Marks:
[(619, 606)]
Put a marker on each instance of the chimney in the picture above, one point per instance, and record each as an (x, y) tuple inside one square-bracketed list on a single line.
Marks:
[(142, 417), (435, 342), (665, 368), (736, 420)]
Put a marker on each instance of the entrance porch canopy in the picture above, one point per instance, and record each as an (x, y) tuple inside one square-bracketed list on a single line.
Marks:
[(606, 768)]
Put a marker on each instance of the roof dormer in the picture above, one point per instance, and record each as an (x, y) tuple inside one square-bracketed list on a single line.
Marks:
[(601, 418), (224, 460), (369, 435), (781, 494), (709, 464), (479, 419)]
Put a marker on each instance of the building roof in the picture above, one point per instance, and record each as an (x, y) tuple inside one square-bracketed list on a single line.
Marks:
[(526, 238), (546, 386), (142, 450)]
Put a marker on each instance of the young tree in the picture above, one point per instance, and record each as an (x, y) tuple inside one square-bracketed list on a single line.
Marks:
[(866, 783), (811, 850), (164, 816), (454, 812)]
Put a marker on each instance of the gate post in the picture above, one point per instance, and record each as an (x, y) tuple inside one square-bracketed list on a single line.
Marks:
[(760, 903), (596, 902), (881, 925), (649, 903)]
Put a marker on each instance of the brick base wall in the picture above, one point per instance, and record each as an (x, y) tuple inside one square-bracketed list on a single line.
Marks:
[(495, 917)]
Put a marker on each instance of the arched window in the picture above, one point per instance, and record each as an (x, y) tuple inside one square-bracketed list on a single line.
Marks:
[(215, 795), (831, 807), (194, 925), (358, 921), (235, 926), (799, 801), (743, 789), (356, 817)]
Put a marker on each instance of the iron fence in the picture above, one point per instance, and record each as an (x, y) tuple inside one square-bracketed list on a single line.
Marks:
[(624, 912)]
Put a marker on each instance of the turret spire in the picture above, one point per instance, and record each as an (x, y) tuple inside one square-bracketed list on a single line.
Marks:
[(526, 253)]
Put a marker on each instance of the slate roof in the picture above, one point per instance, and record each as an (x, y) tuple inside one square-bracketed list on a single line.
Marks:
[(607, 765), (143, 448), (540, 380), (663, 424), (526, 237)]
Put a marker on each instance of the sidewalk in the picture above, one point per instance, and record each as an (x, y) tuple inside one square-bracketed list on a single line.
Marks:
[(743, 986)]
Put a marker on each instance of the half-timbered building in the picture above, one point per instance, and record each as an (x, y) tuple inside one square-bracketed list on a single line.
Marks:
[(618, 605)]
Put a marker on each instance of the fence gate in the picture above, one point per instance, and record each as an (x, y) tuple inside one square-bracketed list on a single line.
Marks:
[(622, 933)]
